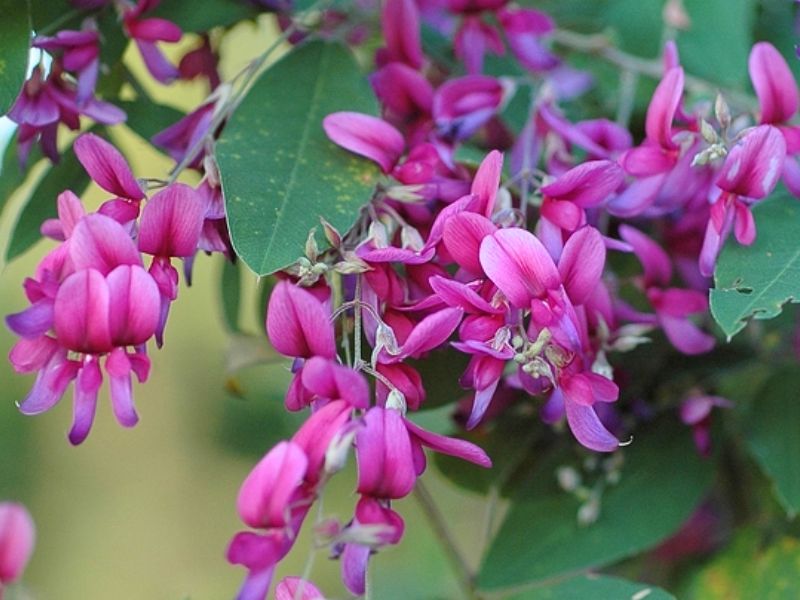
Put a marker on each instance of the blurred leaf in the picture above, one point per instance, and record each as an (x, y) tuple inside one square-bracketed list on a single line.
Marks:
[(441, 370), (49, 16), (594, 587), (257, 419), (230, 290), (662, 481), (213, 13), (147, 118), (11, 176), (772, 436), (747, 571), (773, 25), (113, 39), (15, 33), (719, 39), (756, 281), (638, 25), (279, 171), (41, 205)]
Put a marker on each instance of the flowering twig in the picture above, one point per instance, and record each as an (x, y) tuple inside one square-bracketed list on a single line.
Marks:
[(600, 46)]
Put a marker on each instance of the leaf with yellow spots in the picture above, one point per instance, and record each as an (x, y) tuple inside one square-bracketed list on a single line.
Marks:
[(279, 171)]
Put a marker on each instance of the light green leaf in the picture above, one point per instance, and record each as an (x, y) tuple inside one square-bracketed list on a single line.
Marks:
[(41, 205), (11, 176), (596, 587), (662, 482), (15, 34), (279, 171), (718, 40), (772, 436), (748, 571), (756, 281)]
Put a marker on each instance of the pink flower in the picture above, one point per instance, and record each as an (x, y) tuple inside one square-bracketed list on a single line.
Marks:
[(696, 412), (17, 537), (80, 52), (673, 306), (298, 324), (461, 106), (146, 32), (749, 174), (296, 588), (401, 30)]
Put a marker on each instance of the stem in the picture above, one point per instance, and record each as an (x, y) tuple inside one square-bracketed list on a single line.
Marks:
[(231, 103), (466, 579), (599, 45), (357, 326)]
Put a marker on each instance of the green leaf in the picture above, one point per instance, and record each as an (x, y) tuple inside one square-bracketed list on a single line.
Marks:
[(279, 171), (214, 13), (231, 294), (772, 437), (11, 176), (756, 281), (49, 16), (717, 43), (596, 587), (15, 34), (747, 571), (41, 205), (662, 481)]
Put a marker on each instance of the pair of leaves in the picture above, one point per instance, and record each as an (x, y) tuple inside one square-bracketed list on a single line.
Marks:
[(279, 171), (662, 482)]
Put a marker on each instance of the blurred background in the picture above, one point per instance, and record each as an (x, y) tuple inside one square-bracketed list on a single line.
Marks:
[(148, 512)]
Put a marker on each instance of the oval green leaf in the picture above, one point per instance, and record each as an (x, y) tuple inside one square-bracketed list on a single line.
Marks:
[(662, 481), (279, 171)]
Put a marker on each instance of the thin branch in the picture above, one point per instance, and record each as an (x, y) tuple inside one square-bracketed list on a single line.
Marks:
[(466, 578), (600, 46)]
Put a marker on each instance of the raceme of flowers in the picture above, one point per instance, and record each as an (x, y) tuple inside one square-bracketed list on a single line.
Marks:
[(507, 263)]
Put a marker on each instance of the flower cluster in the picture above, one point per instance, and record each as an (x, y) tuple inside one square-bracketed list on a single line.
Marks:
[(67, 91), (510, 261), (17, 536), (92, 302)]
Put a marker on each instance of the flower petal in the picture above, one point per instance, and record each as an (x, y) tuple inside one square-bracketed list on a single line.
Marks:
[(367, 136), (774, 83), (107, 167), (581, 263), (587, 428)]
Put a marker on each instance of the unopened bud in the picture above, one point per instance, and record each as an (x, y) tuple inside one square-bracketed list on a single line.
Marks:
[(339, 448), (410, 238), (331, 234), (396, 401), (406, 193), (568, 478), (708, 132), (312, 249), (589, 512), (675, 15), (722, 111)]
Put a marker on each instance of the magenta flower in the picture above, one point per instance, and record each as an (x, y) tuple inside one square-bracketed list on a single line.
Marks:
[(673, 306), (749, 174), (17, 538), (696, 412), (779, 100), (80, 51), (296, 588), (43, 104), (99, 305), (146, 32), (401, 30), (186, 136), (298, 324), (585, 186), (461, 106), (367, 136)]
